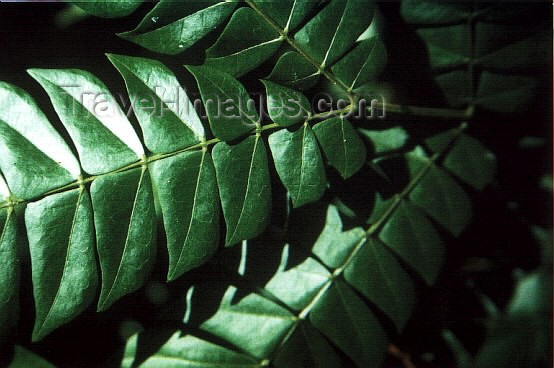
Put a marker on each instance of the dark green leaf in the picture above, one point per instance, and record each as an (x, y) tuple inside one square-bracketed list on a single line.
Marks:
[(165, 113), (287, 14), (363, 64), (244, 186), (61, 242), (334, 246), (299, 164), (184, 351), (506, 93), (412, 236), (230, 110), (23, 358), (124, 218), (33, 156), (297, 284), (174, 25), (247, 41), (342, 145), (388, 140), (377, 274), (9, 273), (99, 128), (328, 35), (295, 71), (252, 323), (307, 348), (440, 196), (347, 321), (187, 191), (286, 106)]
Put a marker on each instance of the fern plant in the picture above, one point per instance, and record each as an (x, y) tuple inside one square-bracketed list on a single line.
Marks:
[(92, 214)]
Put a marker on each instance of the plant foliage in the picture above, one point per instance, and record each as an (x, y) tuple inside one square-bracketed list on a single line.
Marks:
[(280, 304)]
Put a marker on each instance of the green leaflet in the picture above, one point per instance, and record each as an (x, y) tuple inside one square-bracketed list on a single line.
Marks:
[(307, 348), (363, 64), (299, 164), (439, 195), (184, 351), (297, 286), (287, 14), (246, 42), (168, 119), (342, 145), (470, 161), (506, 93), (294, 71), (252, 323), (377, 274), (335, 28), (286, 106), (9, 273), (386, 141), (104, 138), (244, 186), (44, 161), (124, 219), (174, 25), (503, 56), (412, 236), (23, 358), (348, 322), (108, 9), (228, 106), (325, 247), (61, 242), (187, 191)]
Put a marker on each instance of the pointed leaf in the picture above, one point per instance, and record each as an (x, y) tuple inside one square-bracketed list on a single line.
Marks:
[(252, 323), (23, 358), (61, 242), (443, 200), (342, 145), (168, 119), (347, 321), (412, 236), (125, 224), (297, 284), (286, 106), (506, 93), (9, 273), (185, 351), (299, 164), (307, 348), (246, 42), (388, 140), (99, 128), (363, 64), (107, 8), (287, 14), (174, 25), (334, 246), (244, 186), (377, 274), (295, 71), (187, 191), (472, 162), (33, 156), (227, 103), (328, 35)]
